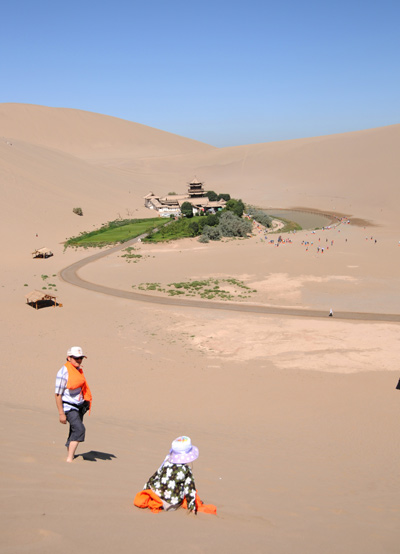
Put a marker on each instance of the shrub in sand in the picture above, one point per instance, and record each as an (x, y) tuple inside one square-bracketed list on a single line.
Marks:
[(207, 288), (230, 225), (210, 233), (259, 215), (78, 211)]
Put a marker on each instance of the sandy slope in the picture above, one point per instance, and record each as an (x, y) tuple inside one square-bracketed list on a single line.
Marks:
[(89, 135), (296, 420)]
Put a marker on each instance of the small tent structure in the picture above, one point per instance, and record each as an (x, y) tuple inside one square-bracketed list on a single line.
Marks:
[(42, 253), (40, 299)]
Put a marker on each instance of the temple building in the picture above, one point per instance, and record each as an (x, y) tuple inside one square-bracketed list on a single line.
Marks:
[(171, 205)]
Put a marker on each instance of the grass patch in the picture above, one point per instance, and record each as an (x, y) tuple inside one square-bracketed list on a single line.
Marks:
[(150, 286), (115, 232), (130, 256), (178, 229), (208, 289)]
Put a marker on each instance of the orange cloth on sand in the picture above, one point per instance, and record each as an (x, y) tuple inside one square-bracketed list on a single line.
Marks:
[(149, 499), (200, 507)]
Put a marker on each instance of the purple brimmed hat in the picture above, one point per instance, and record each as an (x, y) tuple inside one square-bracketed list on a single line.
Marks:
[(182, 451)]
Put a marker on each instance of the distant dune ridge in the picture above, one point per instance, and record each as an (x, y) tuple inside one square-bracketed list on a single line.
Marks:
[(108, 164), (89, 135)]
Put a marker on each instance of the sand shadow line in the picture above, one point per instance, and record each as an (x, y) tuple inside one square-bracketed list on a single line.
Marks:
[(94, 455)]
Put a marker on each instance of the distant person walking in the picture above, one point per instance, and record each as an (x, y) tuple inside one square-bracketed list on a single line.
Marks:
[(73, 398)]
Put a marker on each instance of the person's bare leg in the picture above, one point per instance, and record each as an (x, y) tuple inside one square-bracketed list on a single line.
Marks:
[(73, 445)]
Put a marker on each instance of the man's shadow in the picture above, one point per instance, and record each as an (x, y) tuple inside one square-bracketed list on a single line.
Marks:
[(93, 456)]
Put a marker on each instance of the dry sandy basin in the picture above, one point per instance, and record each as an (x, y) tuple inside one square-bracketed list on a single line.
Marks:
[(296, 418)]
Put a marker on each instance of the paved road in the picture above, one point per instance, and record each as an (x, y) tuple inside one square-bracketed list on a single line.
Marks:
[(70, 275)]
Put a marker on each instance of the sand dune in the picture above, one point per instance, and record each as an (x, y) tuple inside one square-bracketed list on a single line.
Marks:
[(296, 420), (354, 173), (89, 135)]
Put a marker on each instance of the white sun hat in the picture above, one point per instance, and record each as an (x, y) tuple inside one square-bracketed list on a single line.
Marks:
[(182, 451), (76, 352)]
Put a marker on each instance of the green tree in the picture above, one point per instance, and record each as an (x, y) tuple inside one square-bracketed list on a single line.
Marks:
[(211, 195), (194, 227), (224, 196), (230, 225), (202, 222), (235, 206), (211, 233), (211, 220), (187, 209)]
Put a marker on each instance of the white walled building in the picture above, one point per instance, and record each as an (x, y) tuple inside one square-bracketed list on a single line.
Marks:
[(171, 205)]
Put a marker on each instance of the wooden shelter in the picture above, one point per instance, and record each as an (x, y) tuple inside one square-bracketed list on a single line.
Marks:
[(42, 253), (41, 299)]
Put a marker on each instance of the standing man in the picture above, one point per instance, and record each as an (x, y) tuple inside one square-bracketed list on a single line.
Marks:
[(73, 398)]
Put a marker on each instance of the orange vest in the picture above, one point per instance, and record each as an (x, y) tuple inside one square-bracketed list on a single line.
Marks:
[(77, 379)]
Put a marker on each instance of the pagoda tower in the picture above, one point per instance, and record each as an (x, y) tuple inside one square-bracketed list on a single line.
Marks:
[(196, 189)]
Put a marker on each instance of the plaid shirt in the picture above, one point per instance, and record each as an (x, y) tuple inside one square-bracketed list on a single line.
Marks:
[(74, 396)]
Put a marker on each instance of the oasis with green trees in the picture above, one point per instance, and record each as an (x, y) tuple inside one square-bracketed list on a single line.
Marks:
[(228, 222)]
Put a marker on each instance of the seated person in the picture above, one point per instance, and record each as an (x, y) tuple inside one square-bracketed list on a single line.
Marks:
[(172, 485)]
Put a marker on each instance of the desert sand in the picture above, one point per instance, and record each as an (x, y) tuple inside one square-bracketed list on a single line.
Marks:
[(296, 418)]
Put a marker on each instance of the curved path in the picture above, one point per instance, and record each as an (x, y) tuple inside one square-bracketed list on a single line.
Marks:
[(69, 275)]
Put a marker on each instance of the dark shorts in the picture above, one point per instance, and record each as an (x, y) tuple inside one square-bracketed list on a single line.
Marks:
[(76, 428)]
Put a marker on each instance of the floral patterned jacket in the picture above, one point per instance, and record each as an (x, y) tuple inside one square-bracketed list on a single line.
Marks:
[(172, 482)]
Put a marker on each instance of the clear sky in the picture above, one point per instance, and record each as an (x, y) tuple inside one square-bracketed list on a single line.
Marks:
[(225, 73)]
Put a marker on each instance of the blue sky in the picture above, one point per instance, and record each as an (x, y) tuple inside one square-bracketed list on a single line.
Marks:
[(225, 73)]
